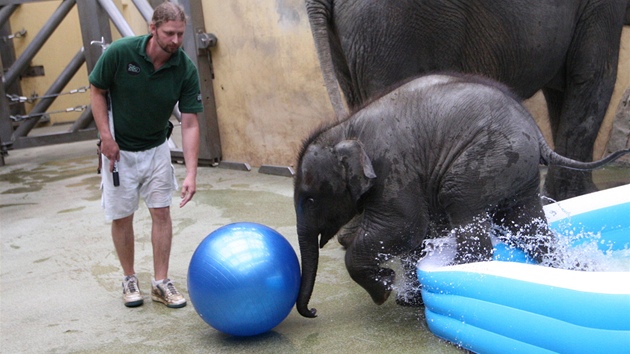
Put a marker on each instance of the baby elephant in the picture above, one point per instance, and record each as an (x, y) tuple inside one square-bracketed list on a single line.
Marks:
[(439, 152)]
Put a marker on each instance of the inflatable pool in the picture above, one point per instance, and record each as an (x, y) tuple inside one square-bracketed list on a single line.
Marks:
[(510, 305)]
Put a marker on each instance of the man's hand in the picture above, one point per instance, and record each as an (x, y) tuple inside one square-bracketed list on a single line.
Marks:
[(190, 144), (110, 149), (188, 190)]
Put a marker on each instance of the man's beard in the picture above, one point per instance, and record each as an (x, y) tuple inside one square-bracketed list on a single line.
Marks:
[(169, 48)]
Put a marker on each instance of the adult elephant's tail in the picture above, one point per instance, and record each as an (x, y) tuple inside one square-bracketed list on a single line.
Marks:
[(319, 16)]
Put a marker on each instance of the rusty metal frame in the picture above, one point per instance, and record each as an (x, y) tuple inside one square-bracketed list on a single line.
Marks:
[(94, 18)]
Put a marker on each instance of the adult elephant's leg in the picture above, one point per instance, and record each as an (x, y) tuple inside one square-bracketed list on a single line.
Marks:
[(554, 99), (558, 179), (591, 74)]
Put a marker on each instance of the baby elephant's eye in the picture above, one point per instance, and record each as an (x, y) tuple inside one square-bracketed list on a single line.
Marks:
[(310, 202)]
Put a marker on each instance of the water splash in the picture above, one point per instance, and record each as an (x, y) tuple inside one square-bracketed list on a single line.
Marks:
[(546, 200), (584, 251), (570, 248)]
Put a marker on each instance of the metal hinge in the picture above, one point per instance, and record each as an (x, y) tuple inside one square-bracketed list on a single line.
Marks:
[(206, 40)]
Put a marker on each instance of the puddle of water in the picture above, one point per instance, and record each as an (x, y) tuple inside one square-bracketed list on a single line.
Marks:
[(33, 180), (254, 206)]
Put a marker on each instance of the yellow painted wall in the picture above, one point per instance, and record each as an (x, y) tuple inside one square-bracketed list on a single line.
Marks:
[(268, 87), (269, 90), (54, 56), (58, 50)]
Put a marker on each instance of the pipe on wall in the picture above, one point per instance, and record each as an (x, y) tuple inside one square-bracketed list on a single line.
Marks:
[(116, 17)]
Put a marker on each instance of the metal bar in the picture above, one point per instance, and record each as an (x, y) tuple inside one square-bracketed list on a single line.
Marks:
[(117, 18), (190, 45), (19, 2), (40, 38), (285, 171), (210, 140), (177, 156), (6, 12), (239, 166), (6, 126), (55, 138), (145, 9), (7, 55), (62, 80), (95, 26), (84, 121)]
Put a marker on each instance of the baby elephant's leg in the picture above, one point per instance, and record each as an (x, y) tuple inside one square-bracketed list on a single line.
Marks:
[(473, 240)]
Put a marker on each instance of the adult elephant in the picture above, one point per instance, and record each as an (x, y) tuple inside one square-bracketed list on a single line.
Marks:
[(569, 49)]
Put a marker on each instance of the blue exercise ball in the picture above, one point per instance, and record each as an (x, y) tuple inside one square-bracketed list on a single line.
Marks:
[(244, 279)]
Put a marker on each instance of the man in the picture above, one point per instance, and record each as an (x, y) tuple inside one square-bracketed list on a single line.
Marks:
[(144, 77)]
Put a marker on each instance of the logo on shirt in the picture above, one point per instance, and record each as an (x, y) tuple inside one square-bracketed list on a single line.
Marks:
[(199, 97), (133, 68)]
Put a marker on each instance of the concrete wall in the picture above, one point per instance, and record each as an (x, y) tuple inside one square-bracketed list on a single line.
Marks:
[(268, 87)]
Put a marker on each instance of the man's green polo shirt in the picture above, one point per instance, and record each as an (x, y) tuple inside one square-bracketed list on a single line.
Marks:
[(143, 98)]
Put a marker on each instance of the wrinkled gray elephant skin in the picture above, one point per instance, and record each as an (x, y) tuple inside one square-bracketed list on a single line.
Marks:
[(458, 151), (569, 49)]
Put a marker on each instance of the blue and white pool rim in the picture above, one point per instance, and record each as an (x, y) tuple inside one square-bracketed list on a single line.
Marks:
[(514, 307)]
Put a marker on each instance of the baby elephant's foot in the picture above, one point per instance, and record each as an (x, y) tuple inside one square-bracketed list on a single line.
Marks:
[(477, 252), (410, 299), (470, 258), (379, 286), (408, 292)]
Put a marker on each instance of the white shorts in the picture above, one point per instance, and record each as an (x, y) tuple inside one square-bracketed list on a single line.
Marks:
[(148, 174)]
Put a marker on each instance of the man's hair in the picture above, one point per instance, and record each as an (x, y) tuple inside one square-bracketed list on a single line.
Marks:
[(167, 11)]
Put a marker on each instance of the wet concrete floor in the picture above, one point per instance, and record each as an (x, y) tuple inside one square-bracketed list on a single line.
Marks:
[(60, 277)]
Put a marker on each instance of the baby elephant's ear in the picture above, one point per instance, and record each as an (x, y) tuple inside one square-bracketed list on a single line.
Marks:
[(359, 174)]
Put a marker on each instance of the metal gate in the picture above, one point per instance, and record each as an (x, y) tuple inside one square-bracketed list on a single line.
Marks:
[(94, 19)]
